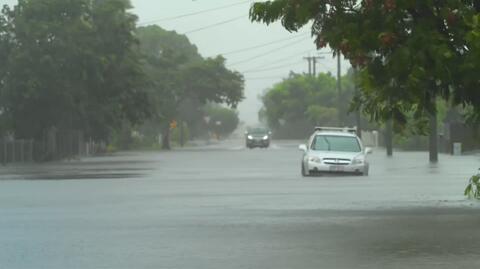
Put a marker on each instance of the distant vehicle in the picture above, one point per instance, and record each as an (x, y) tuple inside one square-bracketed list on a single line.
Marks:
[(334, 150), (258, 137)]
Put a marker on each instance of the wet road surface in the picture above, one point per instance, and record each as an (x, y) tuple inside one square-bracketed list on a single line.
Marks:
[(224, 206)]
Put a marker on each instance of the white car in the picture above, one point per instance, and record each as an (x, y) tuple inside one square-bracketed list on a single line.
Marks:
[(334, 150)]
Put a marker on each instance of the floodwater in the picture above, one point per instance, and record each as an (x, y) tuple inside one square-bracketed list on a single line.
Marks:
[(223, 206)]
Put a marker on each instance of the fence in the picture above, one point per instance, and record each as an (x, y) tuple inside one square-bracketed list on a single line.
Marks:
[(55, 145), (12, 151), (467, 135)]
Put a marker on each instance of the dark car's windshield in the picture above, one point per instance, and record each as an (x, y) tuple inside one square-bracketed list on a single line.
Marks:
[(258, 131), (336, 143)]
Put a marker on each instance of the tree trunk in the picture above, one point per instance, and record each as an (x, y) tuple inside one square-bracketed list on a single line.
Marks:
[(359, 123), (433, 139), (339, 90), (358, 116), (389, 137), (182, 134), (166, 138)]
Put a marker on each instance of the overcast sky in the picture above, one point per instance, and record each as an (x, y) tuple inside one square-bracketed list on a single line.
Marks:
[(262, 67)]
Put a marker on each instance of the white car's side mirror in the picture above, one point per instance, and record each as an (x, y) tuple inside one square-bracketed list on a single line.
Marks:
[(303, 147), (368, 150)]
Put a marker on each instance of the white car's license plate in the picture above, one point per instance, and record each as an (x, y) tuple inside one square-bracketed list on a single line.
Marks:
[(337, 168)]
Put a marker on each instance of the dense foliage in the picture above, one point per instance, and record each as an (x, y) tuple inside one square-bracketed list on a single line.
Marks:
[(408, 52), (83, 65), (69, 65)]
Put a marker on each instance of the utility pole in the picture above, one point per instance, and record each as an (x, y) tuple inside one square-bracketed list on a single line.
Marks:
[(315, 59), (312, 64), (309, 60), (339, 89)]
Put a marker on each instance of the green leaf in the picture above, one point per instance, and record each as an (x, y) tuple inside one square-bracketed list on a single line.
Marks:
[(475, 21), (448, 54), (476, 179), (468, 190)]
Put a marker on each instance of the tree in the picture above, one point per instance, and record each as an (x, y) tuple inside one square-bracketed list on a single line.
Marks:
[(409, 52), (164, 53), (70, 65), (179, 75), (294, 106), (223, 121)]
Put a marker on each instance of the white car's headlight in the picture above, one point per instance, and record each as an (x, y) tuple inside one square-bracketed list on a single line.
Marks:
[(265, 137), (250, 137), (315, 159), (358, 160)]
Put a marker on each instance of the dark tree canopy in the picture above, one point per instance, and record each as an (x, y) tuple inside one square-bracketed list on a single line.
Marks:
[(70, 64), (181, 78), (408, 52), (179, 72)]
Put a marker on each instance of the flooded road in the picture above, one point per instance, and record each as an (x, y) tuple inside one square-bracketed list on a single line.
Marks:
[(224, 206)]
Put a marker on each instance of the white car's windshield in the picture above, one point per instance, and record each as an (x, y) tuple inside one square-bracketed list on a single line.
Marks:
[(336, 143)]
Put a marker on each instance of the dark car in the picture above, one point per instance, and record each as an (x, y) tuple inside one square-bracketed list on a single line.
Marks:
[(258, 137)]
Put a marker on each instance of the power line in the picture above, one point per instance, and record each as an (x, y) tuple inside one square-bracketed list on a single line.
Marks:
[(280, 60), (214, 25), (287, 58), (312, 60), (272, 68), (267, 53), (262, 45), (265, 78), (195, 13), (327, 69)]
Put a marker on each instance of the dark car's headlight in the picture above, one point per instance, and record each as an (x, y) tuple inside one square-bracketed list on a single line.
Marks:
[(265, 137), (250, 137)]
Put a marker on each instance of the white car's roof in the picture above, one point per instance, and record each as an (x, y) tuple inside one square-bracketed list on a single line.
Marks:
[(333, 133)]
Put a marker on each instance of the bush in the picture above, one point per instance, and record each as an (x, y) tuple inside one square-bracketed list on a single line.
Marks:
[(473, 189)]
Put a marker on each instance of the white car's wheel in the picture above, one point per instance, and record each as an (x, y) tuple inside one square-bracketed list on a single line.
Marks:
[(304, 172)]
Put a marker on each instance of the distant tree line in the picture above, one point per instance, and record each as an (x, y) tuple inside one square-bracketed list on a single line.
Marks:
[(84, 65), (295, 105)]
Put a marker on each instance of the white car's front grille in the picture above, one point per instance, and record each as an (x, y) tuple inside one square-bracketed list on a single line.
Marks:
[(333, 161)]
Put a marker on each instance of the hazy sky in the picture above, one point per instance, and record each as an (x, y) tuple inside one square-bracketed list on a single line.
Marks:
[(240, 33)]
